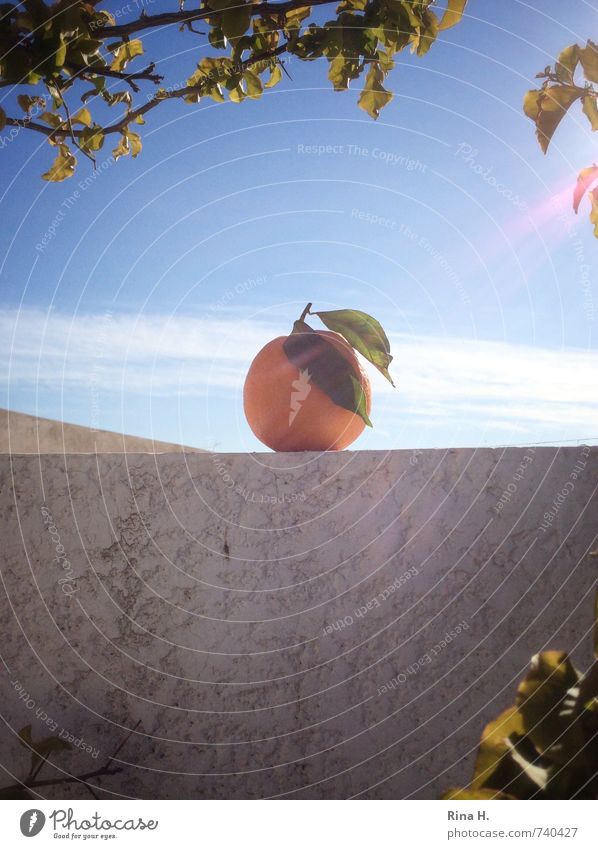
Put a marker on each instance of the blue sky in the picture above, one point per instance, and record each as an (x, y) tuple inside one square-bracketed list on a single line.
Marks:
[(161, 277)]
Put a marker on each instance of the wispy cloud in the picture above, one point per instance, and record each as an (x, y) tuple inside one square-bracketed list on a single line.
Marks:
[(507, 386)]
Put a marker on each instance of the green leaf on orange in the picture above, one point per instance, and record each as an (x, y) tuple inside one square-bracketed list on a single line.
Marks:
[(327, 367), (363, 333)]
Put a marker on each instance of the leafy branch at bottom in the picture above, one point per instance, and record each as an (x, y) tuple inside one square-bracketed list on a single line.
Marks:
[(546, 745)]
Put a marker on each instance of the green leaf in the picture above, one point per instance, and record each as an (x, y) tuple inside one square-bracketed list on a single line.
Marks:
[(63, 167), (551, 107), (361, 400), (543, 700), (124, 52), (453, 14), (235, 22), (567, 63), (312, 352), (588, 56), (590, 110), (363, 333), (584, 182), (2, 118), (374, 96)]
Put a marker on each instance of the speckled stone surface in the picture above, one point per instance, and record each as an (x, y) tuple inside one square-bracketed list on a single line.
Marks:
[(294, 625)]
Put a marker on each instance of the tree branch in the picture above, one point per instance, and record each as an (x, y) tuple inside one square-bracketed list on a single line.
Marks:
[(187, 17), (83, 72), (130, 116), (105, 769)]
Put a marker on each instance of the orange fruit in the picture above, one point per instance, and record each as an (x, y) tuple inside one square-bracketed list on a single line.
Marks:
[(287, 411)]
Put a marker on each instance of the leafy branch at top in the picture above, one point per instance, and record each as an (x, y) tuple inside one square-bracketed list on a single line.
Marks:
[(572, 80), (66, 47)]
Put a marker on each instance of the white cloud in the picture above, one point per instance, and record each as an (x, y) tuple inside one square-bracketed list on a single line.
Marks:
[(450, 379)]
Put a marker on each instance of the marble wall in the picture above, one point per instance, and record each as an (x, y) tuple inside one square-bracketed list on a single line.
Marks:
[(285, 625)]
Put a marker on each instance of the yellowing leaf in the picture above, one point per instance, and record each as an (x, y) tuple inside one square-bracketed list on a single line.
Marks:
[(51, 119), (567, 63), (584, 181), (493, 745), (594, 212), (124, 53), (134, 143), (237, 94), (275, 77), (541, 700), (590, 110), (122, 148), (374, 96), (26, 102), (553, 104), (63, 166), (60, 55), (453, 14), (588, 56), (83, 116), (351, 6), (254, 84), (342, 70), (425, 33), (466, 794), (91, 138), (531, 105)]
